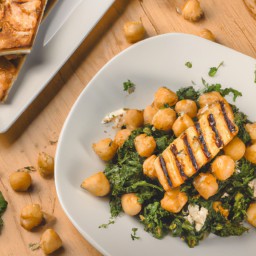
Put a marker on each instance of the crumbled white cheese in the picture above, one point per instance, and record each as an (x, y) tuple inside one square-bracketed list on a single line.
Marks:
[(197, 216), (237, 171), (113, 116), (225, 195), (252, 185)]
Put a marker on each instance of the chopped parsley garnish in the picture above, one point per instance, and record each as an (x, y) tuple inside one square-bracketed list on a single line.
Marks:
[(134, 235), (3, 206), (188, 64), (129, 86), (213, 70), (111, 221)]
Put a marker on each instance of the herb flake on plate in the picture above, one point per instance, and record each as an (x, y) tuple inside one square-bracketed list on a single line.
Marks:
[(134, 235), (129, 86), (188, 64), (213, 70)]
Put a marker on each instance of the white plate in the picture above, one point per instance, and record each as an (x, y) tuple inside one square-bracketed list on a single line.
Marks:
[(158, 61), (47, 56)]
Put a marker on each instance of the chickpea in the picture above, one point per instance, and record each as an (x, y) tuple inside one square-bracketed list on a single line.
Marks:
[(133, 119), (235, 149), (50, 241), (20, 181), (97, 184), (130, 204), (31, 216), (149, 168), (206, 185), (121, 137), (207, 34), (181, 124), (145, 145), (192, 10), (251, 129), (250, 153), (217, 206), (164, 96), (209, 98), (45, 164), (223, 167), (164, 119), (148, 114), (174, 200), (134, 31), (188, 107), (251, 214), (105, 149)]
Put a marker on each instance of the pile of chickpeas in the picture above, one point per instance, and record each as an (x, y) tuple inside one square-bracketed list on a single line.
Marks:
[(168, 114), (31, 215), (134, 31)]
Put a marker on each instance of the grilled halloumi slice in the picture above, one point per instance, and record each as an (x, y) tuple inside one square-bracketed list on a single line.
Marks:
[(196, 146)]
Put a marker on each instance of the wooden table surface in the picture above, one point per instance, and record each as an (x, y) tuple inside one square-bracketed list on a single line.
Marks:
[(41, 124)]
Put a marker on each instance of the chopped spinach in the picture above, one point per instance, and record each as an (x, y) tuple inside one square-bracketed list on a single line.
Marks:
[(3, 206)]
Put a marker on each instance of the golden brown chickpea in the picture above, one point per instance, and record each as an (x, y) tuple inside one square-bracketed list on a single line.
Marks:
[(250, 153), (45, 164), (164, 119), (188, 107), (145, 145), (31, 216), (149, 168), (217, 206), (209, 98), (134, 31), (20, 181), (50, 241), (164, 96), (251, 129), (207, 34), (148, 114), (121, 137), (130, 204), (181, 124), (105, 149), (174, 200), (223, 167), (206, 185), (133, 119), (251, 214), (235, 149), (192, 10), (97, 184)]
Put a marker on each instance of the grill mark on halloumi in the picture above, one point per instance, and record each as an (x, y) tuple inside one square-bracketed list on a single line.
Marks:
[(172, 168), (230, 125), (190, 152), (202, 141), (174, 150), (163, 166), (212, 123)]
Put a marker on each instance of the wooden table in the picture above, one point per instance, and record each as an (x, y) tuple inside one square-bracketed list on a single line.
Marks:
[(40, 126)]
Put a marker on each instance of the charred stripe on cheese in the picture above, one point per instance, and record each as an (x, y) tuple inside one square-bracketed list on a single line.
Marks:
[(163, 166), (212, 123), (190, 152), (202, 141), (175, 153), (230, 124)]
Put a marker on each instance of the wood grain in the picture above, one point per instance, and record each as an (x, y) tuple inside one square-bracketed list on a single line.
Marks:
[(229, 20)]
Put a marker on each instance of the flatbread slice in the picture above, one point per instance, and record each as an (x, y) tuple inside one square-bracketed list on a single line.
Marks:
[(19, 23)]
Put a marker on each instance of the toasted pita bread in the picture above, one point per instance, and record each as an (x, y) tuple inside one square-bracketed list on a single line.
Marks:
[(251, 6), (19, 23)]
